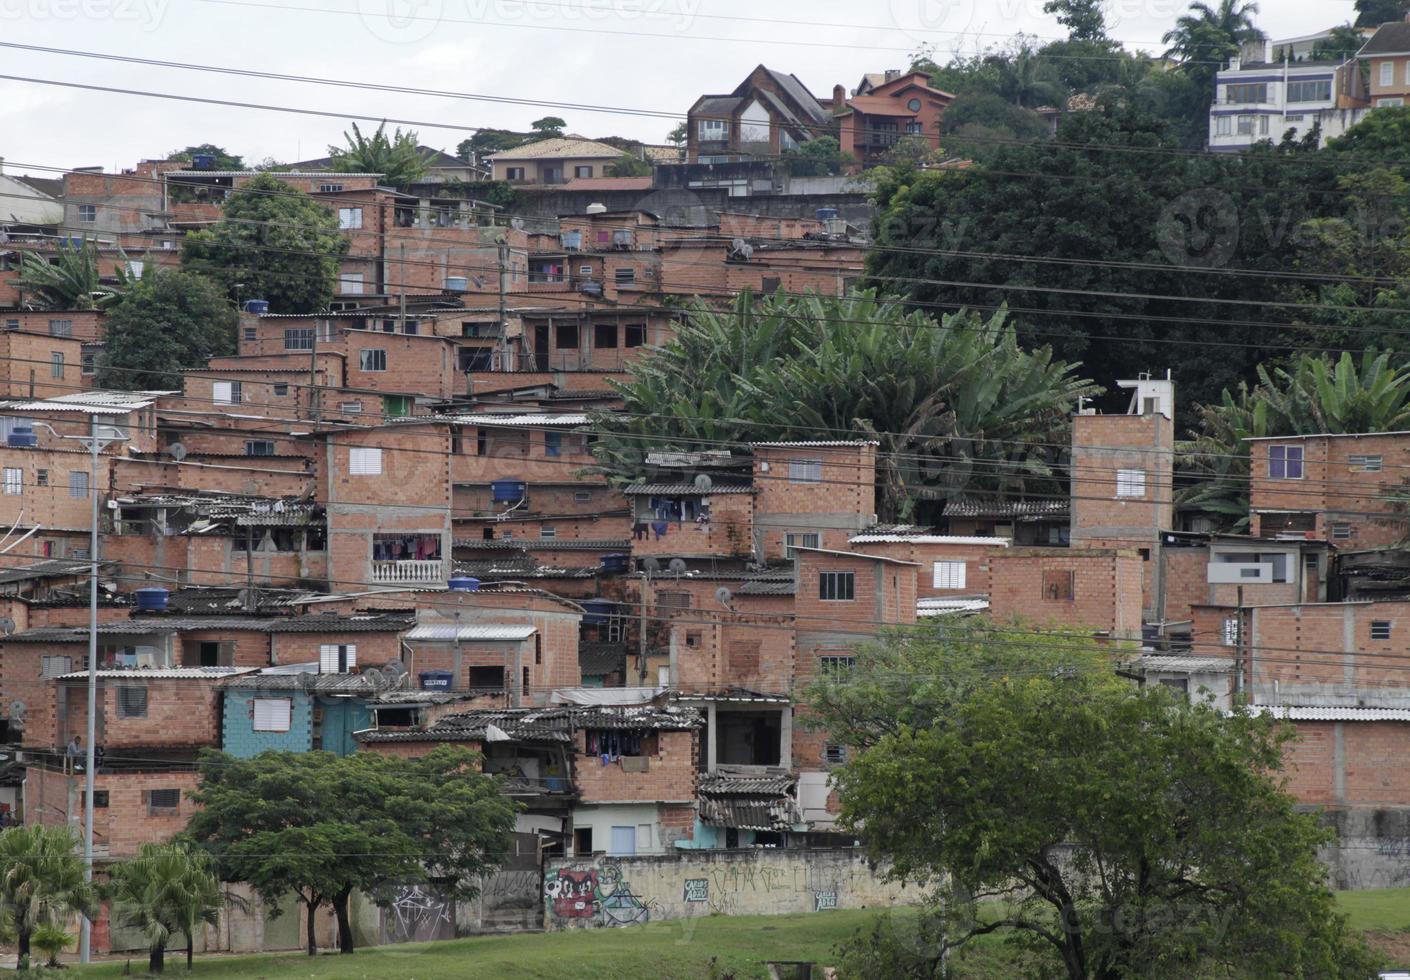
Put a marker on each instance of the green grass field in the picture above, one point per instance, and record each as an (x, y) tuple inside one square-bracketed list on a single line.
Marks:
[(738, 947), (666, 950)]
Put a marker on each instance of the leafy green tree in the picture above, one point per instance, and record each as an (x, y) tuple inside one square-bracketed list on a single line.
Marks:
[(627, 165), (548, 126), (1311, 394), (1379, 139), (170, 321), (398, 157), (978, 125), (1085, 20), (947, 400), (679, 134), (1341, 44), (1041, 798), (224, 160), (1027, 80), (41, 881), (817, 157), (51, 940), (273, 242), (1374, 13), (70, 279), (324, 826), (165, 891)]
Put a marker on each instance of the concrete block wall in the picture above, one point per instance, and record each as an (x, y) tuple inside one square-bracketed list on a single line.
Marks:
[(670, 774)]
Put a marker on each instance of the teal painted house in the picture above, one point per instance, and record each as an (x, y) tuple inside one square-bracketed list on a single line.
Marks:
[(297, 710)]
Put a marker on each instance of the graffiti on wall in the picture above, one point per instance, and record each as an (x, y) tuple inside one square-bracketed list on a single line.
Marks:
[(824, 900), (697, 890), (418, 914), (599, 894)]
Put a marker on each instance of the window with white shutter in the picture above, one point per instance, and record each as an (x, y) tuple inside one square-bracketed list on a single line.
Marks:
[(365, 461), (336, 658), (1130, 483), (272, 714), (14, 480), (949, 575)]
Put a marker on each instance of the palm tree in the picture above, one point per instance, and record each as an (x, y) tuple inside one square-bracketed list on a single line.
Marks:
[(1311, 395), (1028, 81), (167, 889), (41, 880), (51, 940), (1206, 36), (70, 279), (398, 158)]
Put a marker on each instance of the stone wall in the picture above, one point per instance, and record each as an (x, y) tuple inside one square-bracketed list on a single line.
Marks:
[(620, 891)]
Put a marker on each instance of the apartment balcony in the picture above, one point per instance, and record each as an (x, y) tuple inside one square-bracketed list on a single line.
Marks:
[(430, 572)]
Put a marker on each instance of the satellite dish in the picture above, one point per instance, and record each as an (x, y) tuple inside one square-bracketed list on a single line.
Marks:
[(177, 451), (724, 596), (741, 248), (18, 710), (517, 224), (651, 564), (703, 482), (7, 626), (677, 565), (394, 668)]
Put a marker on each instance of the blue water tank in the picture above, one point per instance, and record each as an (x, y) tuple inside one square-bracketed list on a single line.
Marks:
[(827, 214), (597, 611), (22, 437), (152, 599), (615, 564), (436, 680), (202, 161), (510, 491), (259, 307), (463, 583)]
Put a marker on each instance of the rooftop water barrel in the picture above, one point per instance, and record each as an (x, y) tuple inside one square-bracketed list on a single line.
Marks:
[(463, 583), (596, 611), (615, 564), (436, 680), (22, 437), (456, 284), (827, 214), (510, 491), (259, 307), (152, 599)]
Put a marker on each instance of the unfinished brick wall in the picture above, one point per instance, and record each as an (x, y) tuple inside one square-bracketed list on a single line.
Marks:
[(180, 714), (1350, 763), (1083, 589), (670, 773)]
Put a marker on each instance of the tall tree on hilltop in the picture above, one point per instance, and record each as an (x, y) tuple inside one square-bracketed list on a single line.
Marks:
[(1206, 37), (273, 242), (1085, 20), (398, 157)]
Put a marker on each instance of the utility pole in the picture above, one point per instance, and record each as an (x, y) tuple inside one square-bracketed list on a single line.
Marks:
[(402, 274), (314, 406), (502, 250), (641, 633)]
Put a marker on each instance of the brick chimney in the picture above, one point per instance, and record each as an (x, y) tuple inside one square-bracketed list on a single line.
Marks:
[(839, 98)]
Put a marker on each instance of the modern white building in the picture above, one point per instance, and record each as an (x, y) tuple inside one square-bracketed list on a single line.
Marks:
[(1275, 87)]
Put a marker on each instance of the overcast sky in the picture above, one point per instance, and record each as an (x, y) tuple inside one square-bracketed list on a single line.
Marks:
[(654, 55)]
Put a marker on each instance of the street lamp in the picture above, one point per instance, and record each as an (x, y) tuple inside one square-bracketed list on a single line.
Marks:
[(100, 436)]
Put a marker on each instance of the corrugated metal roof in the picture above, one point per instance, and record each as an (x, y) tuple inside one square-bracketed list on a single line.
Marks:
[(1006, 508), (767, 587), (682, 490), (856, 554), (749, 799), (312, 682), (1183, 665), (506, 420), (55, 568), (950, 607), (489, 633), (928, 539), (1292, 713), (90, 402), (816, 444), (735, 694), (140, 626), (544, 544), (324, 623), (163, 674), (275, 173)]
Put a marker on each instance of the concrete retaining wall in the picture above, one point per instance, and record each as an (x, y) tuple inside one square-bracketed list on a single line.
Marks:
[(1372, 848), (618, 891)]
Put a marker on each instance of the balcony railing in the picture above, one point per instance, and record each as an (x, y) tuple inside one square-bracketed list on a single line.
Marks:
[(408, 572)]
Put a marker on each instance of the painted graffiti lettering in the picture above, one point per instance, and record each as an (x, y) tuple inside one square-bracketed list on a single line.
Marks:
[(825, 900), (582, 894), (697, 890)]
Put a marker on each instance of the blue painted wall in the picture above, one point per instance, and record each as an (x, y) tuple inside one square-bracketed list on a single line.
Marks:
[(241, 740), (341, 717)]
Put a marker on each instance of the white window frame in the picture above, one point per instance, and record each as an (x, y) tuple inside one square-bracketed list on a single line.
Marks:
[(14, 481), (227, 392), (329, 655), (88, 213), (949, 574), (1366, 463), (837, 578), (350, 283), (365, 461), (61, 328), (1131, 484), (271, 714), (1393, 103), (56, 364), (1382, 629), (1288, 448), (78, 484), (350, 408), (1223, 126), (548, 532), (799, 539), (368, 358), (349, 219), (1387, 73), (805, 471), (713, 130)]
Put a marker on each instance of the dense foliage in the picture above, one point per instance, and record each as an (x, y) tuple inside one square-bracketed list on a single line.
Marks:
[(168, 322), (71, 279), (273, 242), (323, 826), (957, 404), (1042, 798), (41, 882)]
